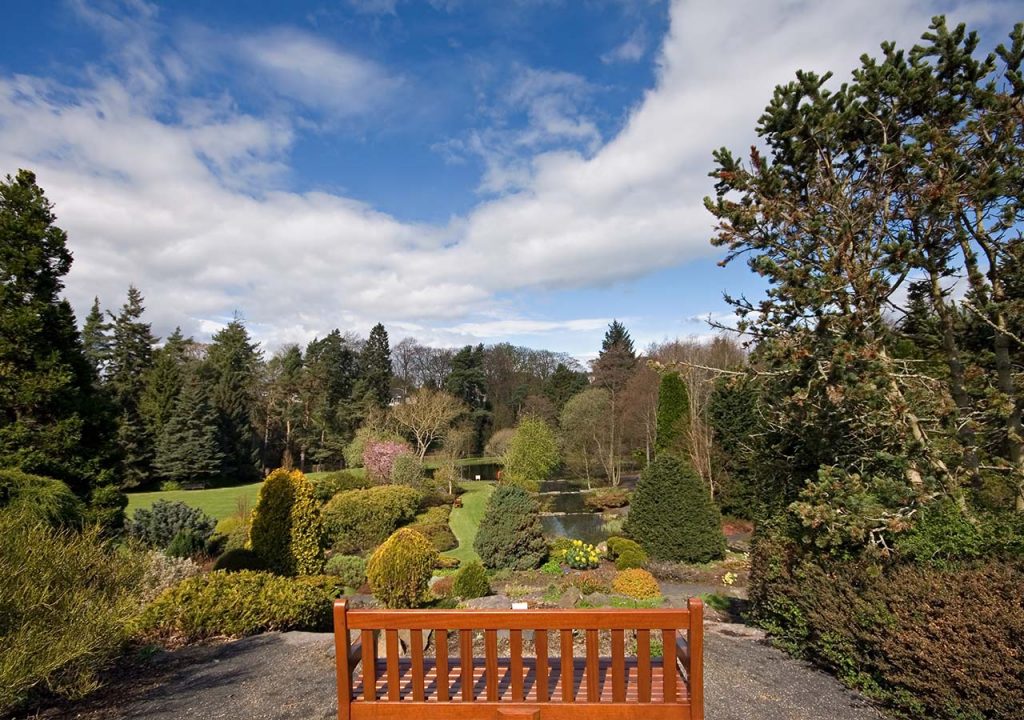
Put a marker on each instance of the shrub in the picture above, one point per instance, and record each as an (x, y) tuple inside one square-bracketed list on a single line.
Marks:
[(497, 444), (327, 485), (239, 559), (66, 600), (163, 572), (185, 544), (581, 556), (672, 516), (350, 570), (106, 509), (510, 534), (359, 520), (587, 582), (407, 470), (636, 583), (673, 414), (471, 582), (354, 450), (443, 587), (40, 498), (157, 526), (170, 486), (626, 553), (379, 457), (433, 525), (286, 531), (559, 546), (551, 567), (446, 562), (606, 499), (532, 454), (240, 603), (400, 569)]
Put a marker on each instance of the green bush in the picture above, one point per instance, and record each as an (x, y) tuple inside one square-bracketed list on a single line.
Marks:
[(943, 536), (510, 534), (400, 569), (106, 509), (471, 582), (240, 603), (558, 547), (239, 559), (532, 454), (170, 486), (158, 526), (350, 570), (66, 601), (40, 498), (286, 531), (359, 520), (927, 641), (327, 485), (447, 562), (626, 553), (433, 525), (672, 516), (163, 572), (673, 414), (407, 470), (185, 544)]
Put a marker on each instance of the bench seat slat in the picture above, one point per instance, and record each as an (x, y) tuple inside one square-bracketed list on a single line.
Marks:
[(609, 619)]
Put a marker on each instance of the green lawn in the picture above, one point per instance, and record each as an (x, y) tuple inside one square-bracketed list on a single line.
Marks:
[(466, 519), (216, 502), (432, 463)]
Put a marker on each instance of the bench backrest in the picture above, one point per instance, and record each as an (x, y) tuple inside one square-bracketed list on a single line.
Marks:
[(679, 630)]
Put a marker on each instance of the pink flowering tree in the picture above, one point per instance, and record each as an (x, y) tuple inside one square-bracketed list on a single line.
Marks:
[(379, 456)]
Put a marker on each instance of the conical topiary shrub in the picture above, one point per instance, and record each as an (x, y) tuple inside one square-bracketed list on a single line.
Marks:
[(672, 515), (510, 535)]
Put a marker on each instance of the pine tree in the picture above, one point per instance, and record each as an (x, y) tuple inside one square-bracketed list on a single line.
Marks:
[(48, 417), (96, 338), (164, 382), (467, 381), (187, 450), (563, 384), (673, 414), (131, 357), (375, 366), (612, 370), (232, 361)]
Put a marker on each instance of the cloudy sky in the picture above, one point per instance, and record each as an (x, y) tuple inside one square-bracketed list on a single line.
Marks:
[(461, 170)]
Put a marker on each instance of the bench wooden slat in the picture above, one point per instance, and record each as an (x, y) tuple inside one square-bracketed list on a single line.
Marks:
[(441, 661), (593, 667), (540, 641), (695, 652), (618, 665), (568, 669), (369, 665), (515, 652), (466, 664), (643, 656), (606, 619), (391, 653), (416, 639), (668, 642), (491, 658)]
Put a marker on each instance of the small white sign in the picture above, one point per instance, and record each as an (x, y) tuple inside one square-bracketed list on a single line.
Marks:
[(477, 477), (520, 606)]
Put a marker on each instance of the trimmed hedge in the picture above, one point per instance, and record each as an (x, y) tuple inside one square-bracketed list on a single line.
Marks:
[(240, 603), (510, 534), (286, 532), (471, 582), (672, 515), (938, 642), (359, 520), (399, 571)]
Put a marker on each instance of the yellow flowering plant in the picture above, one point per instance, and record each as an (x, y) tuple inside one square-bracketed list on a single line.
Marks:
[(582, 556)]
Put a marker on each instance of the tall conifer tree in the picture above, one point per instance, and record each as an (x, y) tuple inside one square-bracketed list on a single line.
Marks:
[(375, 366), (232, 361), (188, 450), (96, 338)]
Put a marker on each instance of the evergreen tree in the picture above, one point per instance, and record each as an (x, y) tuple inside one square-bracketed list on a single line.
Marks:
[(48, 418), (467, 381), (375, 367), (164, 382), (673, 414), (131, 357), (187, 450), (612, 369), (563, 384), (96, 338), (232, 361)]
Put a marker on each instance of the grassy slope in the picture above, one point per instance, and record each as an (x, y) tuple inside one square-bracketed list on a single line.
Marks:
[(216, 502), (466, 519)]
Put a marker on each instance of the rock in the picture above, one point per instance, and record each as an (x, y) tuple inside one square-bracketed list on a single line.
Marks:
[(491, 602)]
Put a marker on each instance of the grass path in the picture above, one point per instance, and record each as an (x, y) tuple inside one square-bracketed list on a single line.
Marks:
[(465, 520), (215, 502)]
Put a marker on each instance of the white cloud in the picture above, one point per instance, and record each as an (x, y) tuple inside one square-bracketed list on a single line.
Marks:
[(186, 208), (631, 50)]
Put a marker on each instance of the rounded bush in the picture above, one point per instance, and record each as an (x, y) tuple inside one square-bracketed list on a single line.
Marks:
[(359, 520), (240, 603), (286, 532), (636, 583), (185, 544), (532, 454), (400, 569), (106, 508), (433, 525), (350, 569), (626, 553), (471, 582), (672, 516), (158, 526), (510, 535), (239, 559), (40, 498), (327, 485)]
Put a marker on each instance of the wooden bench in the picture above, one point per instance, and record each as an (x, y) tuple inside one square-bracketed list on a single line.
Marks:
[(527, 683)]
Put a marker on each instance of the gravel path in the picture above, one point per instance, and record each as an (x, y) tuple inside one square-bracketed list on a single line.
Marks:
[(290, 676)]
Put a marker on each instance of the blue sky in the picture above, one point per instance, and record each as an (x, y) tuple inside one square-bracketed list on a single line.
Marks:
[(461, 170)]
